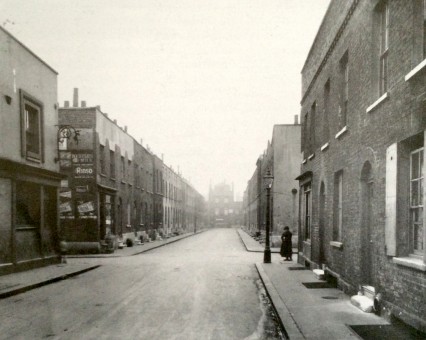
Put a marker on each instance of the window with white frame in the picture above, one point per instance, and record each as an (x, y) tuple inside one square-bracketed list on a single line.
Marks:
[(416, 201), (123, 169), (338, 206), (102, 158), (112, 164), (325, 129), (312, 142), (129, 216), (32, 127), (384, 47), (344, 94)]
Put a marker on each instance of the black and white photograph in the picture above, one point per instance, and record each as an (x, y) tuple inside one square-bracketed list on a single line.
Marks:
[(212, 169)]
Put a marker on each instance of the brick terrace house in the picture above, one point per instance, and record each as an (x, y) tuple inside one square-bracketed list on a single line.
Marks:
[(97, 198), (114, 185), (363, 135), (29, 174), (282, 158)]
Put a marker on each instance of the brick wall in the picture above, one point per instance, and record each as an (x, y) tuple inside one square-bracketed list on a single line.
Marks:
[(367, 136)]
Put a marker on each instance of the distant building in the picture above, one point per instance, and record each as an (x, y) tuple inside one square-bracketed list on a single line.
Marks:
[(115, 187), (29, 172), (362, 176), (223, 210), (282, 158)]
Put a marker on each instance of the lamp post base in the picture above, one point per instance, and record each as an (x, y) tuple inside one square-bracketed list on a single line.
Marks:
[(267, 256)]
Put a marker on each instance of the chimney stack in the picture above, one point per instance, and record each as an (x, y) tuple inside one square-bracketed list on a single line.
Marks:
[(67, 103), (75, 98), (83, 103), (296, 119)]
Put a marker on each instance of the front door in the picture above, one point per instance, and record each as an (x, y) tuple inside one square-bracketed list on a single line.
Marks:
[(367, 259)]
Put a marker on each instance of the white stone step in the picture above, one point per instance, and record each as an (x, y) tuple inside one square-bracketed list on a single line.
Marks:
[(369, 291), (319, 274), (363, 302)]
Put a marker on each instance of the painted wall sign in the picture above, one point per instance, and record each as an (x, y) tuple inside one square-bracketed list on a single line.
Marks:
[(84, 171)]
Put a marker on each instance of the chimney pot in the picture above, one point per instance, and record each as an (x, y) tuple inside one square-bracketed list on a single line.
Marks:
[(125, 128), (115, 121), (296, 119), (67, 103), (83, 103), (98, 107), (141, 142), (75, 98)]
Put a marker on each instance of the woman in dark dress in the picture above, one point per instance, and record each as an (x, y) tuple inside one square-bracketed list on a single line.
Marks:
[(286, 249)]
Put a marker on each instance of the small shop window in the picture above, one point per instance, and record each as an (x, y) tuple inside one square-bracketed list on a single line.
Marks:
[(27, 205)]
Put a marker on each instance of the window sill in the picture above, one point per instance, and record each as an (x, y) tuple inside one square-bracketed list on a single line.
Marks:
[(304, 161), (128, 225), (341, 132), (415, 70), (335, 244), (377, 102), (325, 147), (411, 262), (33, 159), (311, 156)]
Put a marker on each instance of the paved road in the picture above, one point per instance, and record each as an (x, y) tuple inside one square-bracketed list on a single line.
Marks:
[(203, 287)]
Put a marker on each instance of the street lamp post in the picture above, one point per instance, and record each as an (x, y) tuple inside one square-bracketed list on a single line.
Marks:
[(268, 178)]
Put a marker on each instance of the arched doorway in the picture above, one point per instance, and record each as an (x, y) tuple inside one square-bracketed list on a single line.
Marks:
[(367, 191)]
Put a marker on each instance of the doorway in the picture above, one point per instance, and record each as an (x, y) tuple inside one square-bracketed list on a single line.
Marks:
[(367, 245), (322, 224)]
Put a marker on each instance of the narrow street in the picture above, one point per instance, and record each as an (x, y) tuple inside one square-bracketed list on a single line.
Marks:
[(202, 287)]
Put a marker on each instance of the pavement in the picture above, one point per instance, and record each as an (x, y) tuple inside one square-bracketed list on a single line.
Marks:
[(17, 283), (138, 249), (319, 313)]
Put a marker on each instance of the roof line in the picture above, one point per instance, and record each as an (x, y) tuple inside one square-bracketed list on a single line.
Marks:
[(31, 52)]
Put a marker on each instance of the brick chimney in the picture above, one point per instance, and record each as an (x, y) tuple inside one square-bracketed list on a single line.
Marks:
[(75, 97)]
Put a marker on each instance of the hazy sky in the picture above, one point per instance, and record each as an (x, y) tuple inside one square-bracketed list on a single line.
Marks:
[(202, 82)]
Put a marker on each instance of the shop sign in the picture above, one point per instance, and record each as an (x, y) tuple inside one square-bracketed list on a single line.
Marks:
[(65, 207), (65, 194), (82, 188), (86, 207), (82, 158), (84, 171)]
